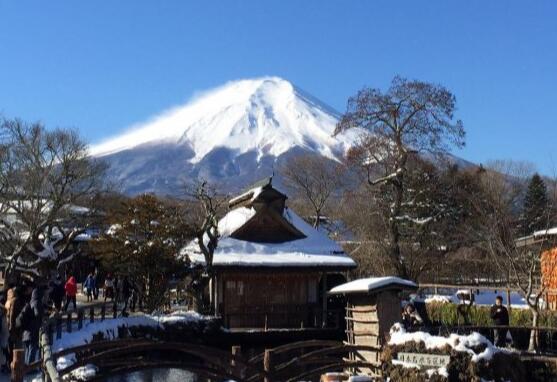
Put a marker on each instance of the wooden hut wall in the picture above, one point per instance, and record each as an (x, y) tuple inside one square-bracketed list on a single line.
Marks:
[(270, 299), (389, 312)]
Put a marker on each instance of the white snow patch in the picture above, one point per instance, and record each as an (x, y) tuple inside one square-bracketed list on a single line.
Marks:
[(109, 328), (83, 373), (459, 343), (372, 283), (267, 115), (481, 298)]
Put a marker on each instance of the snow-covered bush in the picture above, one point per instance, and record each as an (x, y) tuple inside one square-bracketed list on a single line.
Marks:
[(473, 358)]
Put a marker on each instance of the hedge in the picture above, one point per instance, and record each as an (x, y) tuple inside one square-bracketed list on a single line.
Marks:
[(444, 314)]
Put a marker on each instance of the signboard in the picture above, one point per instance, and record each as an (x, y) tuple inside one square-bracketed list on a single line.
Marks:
[(425, 360)]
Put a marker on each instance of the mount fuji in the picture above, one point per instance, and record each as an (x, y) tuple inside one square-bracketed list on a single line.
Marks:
[(230, 136)]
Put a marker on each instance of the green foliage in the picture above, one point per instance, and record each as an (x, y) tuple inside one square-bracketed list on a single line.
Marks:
[(535, 210), (448, 315), (143, 243)]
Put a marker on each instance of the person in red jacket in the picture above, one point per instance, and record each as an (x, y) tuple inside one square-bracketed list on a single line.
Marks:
[(71, 292)]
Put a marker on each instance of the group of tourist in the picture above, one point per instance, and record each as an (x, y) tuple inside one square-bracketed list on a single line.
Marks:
[(24, 306), (22, 314), (122, 291)]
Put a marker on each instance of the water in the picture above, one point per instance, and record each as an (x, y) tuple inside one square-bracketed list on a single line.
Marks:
[(156, 375)]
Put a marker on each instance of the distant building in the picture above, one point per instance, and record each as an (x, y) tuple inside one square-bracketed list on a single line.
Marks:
[(271, 267), (545, 242)]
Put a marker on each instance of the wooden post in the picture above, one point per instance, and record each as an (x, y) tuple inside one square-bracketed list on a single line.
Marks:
[(508, 299), (79, 319), (18, 365), (237, 369), (268, 364), (324, 301), (266, 323), (58, 326), (91, 314), (50, 333), (69, 322), (217, 294)]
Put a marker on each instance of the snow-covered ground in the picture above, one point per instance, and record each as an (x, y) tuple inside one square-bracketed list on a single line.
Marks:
[(481, 297)]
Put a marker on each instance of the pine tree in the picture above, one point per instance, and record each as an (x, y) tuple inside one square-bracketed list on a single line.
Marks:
[(535, 209)]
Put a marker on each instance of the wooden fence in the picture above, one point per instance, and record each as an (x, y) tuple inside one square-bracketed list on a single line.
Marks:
[(53, 327)]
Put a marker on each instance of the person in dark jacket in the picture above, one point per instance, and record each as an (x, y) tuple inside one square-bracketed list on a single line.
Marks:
[(30, 320), (57, 293), (14, 306), (411, 319), (500, 317), (95, 282), (126, 293)]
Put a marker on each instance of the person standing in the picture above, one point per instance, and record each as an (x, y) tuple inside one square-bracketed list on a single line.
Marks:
[(500, 317), (96, 288), (30, 320), (89, 286), (14, 306), (126, 293), (71, 293), (411, 318), (117, 289), (57, 293), (4, 340), (109, 287)]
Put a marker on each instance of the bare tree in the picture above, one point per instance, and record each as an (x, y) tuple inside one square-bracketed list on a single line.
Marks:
[(43, 173), (497, 230), (315, 180), (206, 211), (410, 117)]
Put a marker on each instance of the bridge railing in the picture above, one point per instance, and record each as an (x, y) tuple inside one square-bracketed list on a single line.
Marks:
[(53, 327), (306, 359)]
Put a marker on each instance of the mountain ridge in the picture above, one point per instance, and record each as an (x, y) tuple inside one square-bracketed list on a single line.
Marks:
[(232, 136)]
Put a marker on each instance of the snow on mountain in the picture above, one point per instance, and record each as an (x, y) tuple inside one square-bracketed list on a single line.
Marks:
[(268, 115), (232, 134)]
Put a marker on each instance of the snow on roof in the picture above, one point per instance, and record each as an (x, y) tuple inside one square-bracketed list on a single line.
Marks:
[(252, 193), (546, 232), (541, 233), (316, 249), (371, 284)]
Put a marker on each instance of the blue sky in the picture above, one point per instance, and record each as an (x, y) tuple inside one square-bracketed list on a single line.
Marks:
[(102, 66)]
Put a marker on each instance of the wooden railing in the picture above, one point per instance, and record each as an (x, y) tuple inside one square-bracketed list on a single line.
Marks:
[(306, 359), (53, 327)]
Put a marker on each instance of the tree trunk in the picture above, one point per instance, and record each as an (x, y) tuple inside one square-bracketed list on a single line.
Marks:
[(394, 229), (533, 345)]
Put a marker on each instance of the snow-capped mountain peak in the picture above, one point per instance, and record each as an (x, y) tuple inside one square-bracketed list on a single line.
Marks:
[(268, 116)]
